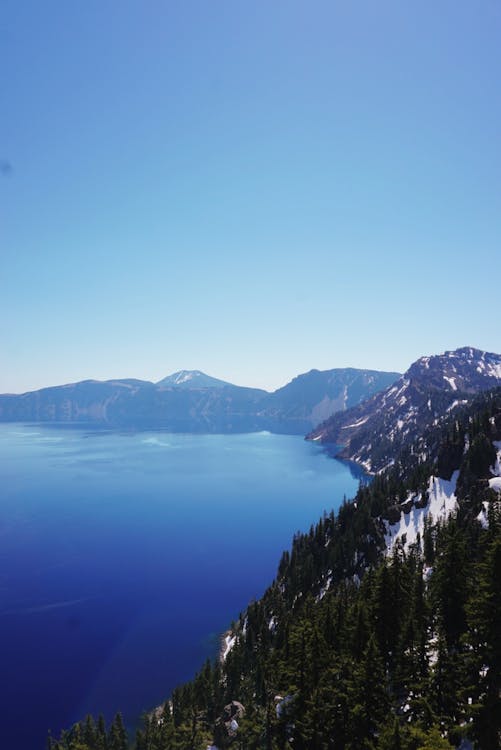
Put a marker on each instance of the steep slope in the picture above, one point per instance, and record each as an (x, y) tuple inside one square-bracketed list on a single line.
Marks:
[(374, 633), (316, 395), (374, 432)]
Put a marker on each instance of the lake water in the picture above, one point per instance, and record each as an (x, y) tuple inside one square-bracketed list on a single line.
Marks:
[(124, 556)]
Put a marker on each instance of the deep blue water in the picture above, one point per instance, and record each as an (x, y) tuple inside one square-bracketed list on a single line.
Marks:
[(124, 556)]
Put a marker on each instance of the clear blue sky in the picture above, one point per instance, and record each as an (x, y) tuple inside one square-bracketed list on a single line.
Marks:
[(248, 188)]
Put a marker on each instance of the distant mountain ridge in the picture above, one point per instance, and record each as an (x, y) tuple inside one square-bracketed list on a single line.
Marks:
[(315, 395), (191, 401), (376, 430)]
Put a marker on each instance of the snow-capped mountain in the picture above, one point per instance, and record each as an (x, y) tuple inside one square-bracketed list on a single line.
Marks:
[(191, 379), (374, 432), (468, 370)]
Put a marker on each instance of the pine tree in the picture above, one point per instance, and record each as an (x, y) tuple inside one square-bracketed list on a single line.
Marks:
[(368, 696), (101, 739), (390, 737), (484, 616), (117, 735), (434, 741), (449, 585), (89, 733)]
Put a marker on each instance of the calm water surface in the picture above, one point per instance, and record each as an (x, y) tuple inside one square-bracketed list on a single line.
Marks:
[(124, 556)]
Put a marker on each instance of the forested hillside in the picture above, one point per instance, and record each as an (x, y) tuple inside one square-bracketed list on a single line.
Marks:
[(381, 630)]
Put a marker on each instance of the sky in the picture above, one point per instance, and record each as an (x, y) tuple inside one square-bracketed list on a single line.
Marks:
[(249, 189)]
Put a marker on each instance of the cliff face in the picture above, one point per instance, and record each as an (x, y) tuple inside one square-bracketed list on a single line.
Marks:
[(316, 395)]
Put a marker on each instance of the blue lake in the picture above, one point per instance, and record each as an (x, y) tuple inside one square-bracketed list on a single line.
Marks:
[(124, 556)]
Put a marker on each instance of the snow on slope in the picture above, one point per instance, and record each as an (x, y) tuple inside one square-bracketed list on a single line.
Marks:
[(375, 431), (496, 469), (228, 643), (494, 484), (191, 379), (442, 502), (183, 377)]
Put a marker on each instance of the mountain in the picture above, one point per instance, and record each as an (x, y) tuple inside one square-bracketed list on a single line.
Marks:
[(191, 401), (89, 401), (191, 379), (315, 395), (381, 629), (374, 432), (140, 405)]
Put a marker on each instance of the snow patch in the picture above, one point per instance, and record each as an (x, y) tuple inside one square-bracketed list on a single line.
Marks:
[(228, 643), (359, 422), (442, 502), (496, 469), (391, 462), (401, 389), (324, 589), (494, 370), (452, 382), (482, 516), (427, 572), (495, 484), (456, 403), (272, 625), (184, 377)]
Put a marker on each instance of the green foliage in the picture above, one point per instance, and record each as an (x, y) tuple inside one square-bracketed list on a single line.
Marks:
[(433, 740)]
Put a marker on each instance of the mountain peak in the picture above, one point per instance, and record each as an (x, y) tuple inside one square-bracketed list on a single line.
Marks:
[(191, 379), (465, 369), (374, 432)]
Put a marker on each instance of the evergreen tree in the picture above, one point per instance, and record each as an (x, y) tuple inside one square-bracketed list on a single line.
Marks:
[(484, 615), (369, 697), (389, 738), (89, 731), (433, 740), (117, 736)]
